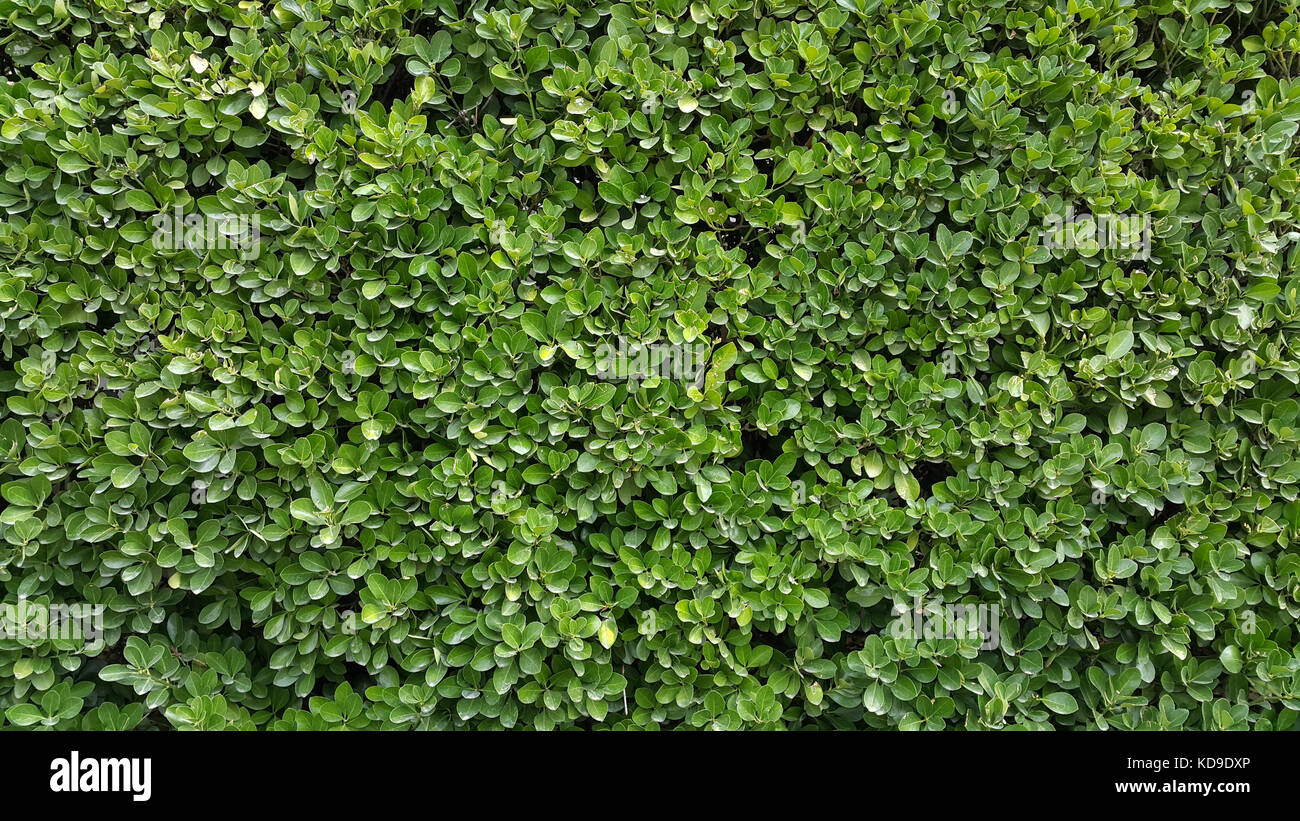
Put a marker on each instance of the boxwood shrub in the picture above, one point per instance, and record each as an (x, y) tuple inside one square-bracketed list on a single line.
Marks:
[(654, 364)]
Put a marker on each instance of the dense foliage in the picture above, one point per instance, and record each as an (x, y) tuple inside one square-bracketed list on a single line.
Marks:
[(364, 462)]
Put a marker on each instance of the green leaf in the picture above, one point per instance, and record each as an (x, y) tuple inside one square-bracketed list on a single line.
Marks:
[(1121, 342), (1061, 703)]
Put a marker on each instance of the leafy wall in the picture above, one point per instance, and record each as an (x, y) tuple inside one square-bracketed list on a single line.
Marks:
[(715, 364)]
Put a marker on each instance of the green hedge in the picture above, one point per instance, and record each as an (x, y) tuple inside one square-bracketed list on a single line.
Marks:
[(398, 364)]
